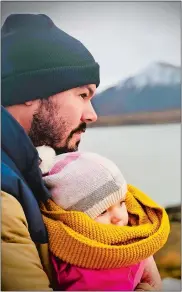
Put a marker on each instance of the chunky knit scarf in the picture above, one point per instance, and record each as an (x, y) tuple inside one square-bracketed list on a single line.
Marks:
[(77, 239)]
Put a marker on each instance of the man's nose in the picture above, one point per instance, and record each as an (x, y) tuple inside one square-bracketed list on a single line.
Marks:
[(89, 114)]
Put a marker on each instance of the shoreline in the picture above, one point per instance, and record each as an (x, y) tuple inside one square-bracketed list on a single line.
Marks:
[(145, 118)]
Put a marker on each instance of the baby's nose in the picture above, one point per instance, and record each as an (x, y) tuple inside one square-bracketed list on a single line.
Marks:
[(116, 216), (115, 219)]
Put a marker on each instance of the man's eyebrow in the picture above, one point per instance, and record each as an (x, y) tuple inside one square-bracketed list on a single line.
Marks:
[(91, 92)]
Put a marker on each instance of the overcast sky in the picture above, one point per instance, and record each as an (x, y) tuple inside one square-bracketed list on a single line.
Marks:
[(123, 37)]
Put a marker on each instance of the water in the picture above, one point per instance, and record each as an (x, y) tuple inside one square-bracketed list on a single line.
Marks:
[(148, 156), (170, 284)]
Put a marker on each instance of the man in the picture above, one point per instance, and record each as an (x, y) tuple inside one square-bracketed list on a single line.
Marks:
[(48, 81)]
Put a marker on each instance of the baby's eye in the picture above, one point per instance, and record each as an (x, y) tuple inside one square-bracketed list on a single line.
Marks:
[(122, 202), (103, 212)]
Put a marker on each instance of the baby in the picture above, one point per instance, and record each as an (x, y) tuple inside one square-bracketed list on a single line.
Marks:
[(102, 236)]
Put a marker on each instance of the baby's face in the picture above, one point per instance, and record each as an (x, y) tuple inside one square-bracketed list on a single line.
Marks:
[(116, 214)]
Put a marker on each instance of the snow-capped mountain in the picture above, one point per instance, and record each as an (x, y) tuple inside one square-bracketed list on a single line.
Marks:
[(155, 74), (156, 88)]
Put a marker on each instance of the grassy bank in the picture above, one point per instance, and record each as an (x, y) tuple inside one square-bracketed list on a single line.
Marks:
[(168, 259)]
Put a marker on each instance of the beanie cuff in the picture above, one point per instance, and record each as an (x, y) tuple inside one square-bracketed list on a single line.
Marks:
[(107, 202), (39, 84)]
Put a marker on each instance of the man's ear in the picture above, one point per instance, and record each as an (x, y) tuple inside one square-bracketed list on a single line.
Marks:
[(32, 103), (29, 103)]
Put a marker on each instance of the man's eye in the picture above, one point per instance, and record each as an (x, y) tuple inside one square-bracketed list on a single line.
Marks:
[(83, 95), (103, 212)]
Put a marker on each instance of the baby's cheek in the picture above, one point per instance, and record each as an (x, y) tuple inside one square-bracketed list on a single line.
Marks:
[(103, 219), (125, 214), (127, 218)]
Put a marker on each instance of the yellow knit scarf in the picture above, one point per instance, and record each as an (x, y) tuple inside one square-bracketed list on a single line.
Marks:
[(77, 239)]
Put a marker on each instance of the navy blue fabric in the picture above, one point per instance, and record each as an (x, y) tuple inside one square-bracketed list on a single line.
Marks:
[(20, 174)]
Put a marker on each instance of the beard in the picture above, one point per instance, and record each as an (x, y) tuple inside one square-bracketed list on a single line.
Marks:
[(47, 128)]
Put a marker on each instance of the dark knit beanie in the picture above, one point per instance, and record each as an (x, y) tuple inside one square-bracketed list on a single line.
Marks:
[(40, 60)]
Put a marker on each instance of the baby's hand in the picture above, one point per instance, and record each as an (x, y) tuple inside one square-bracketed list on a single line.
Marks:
[(151, 276), (144, 287)]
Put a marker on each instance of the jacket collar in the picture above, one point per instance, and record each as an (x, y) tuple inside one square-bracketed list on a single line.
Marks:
[(19, 148)]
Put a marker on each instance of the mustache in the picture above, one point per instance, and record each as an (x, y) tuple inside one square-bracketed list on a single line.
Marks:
[(81, 128)]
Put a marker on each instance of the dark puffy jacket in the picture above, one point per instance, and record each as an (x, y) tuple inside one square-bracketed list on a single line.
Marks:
[(20, 174)]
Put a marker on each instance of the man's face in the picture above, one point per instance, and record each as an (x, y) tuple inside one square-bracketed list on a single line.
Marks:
[(60, 120)]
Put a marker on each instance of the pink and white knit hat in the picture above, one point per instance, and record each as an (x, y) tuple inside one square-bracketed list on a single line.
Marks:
[(84, 181)]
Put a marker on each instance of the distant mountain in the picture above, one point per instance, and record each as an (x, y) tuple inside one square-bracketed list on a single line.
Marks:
[(157, 88)]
